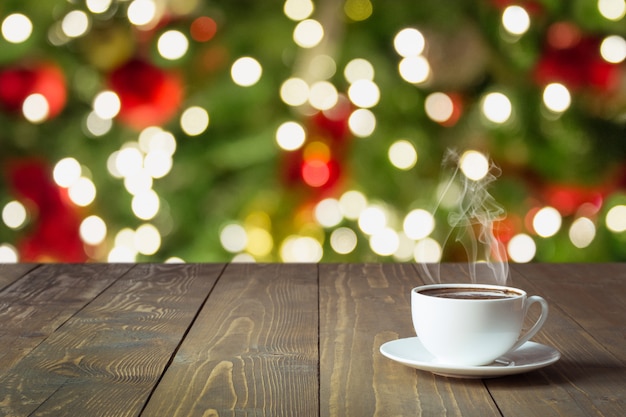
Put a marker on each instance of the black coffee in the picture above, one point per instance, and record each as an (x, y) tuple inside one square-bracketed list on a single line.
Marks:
[(470, 293)]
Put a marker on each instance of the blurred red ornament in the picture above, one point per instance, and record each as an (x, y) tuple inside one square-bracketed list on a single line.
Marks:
[(334, 121), (574, 60), (567, 199), (55, 233), (20, 81), (148, 94)]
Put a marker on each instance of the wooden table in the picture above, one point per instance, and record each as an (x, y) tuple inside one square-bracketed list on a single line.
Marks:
[(284, 340)]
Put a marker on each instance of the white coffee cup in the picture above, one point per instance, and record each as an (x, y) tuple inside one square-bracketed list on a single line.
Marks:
[(472, 331)]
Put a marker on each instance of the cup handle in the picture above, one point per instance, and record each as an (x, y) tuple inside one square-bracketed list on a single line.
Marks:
[(540, 321)]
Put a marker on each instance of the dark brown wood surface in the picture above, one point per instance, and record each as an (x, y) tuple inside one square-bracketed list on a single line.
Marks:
[(284, 340)]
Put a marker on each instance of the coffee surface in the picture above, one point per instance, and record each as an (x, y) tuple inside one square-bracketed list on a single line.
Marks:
[(470, 293)]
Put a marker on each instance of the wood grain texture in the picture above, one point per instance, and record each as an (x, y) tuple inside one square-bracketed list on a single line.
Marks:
[(285, 340), (361, 307), (589, 379), (106, 359), (9, 273), (252, 351), (34, 306)]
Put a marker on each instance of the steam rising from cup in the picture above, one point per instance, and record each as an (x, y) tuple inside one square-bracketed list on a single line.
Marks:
[(471, 219)]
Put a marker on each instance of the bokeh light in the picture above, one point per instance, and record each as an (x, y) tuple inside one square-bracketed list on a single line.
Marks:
[(427, 250), (298, 10), (474, 165), (439, 107), (328, 212), (75, 24), (172, 45), (521, 248), (409, 42), (8, 253), (294, 91), (557, 97), (497, 107), (364, 93), (582, 232), (547, 222), (93, 230), (362, 123), (414, 69), (246, 71), (36, 108), (612, 9), (106, 105), (352, 204), (301, 249), (14, 214), (515, 20), (418, 224), (613, 49), (308, 33), (141, 12), (343, 240), (194, 121), (384, 242), (616, 218), (402, 154), (359, 69), (323, 95), (17, 28), (290, 136), (66, 172)]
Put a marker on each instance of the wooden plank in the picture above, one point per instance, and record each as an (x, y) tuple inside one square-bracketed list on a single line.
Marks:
[(37, 304), (107, 358), (252, 351), (361, 307), (590, 294), (588, 380), (9, 273)]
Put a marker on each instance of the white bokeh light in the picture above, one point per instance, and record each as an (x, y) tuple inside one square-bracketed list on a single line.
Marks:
[(521, 248), (547, 222), (172, 45), (515, 20), (14, 214), (93, 230), (290, 136), (16, 28), (246, 71), (308, 33), (474, 165), (409, 42), (362, 123), (328, 212), (418, 224), (364, 93), (36, 108), (234, 238), (427, 250), (301, 249), (343, 240), (66, 172), (82, 192), (402, 154), (582, 232), (75, 24), (497, 107), (385, 242), (557, 97), (616, 218), (414, 69), (107, 104), (194, 121), (8, 253)]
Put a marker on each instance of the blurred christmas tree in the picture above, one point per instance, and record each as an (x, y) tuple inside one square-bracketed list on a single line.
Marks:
[(156, 130)]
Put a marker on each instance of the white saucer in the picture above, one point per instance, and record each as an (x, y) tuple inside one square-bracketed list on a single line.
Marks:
[(528, 357)]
